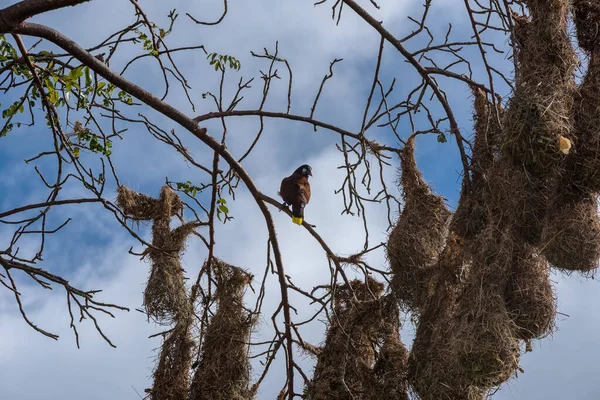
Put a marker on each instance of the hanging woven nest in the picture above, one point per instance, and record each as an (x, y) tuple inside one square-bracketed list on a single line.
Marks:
[(571, 236), (539, 116), (418, 236), (165, 295), (349, 365), (141, 207), (223, 371), (434, 367), (529, 297), (584, 162), (171, 377), (471, 215), (483, 332)]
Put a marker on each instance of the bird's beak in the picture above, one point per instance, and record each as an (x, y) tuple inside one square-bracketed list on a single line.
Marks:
[(310, 173)]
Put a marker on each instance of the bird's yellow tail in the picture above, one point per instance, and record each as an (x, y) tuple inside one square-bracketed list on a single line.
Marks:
[(297, 220)]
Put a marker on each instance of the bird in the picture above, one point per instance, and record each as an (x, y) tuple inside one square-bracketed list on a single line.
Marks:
[(295, 191)]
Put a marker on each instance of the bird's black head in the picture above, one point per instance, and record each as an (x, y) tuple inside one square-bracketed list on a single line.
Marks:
[(304, 170)]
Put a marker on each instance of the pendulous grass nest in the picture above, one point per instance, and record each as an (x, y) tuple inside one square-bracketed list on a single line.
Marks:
[(483, 332), (171, 376), (540, 112), (529, 295), (434, 369), (471, 215), (349, 365), (418, 237), (139, 206), (165, 295), (223, 371), (391, 369), (571, 236), (468, 339), (584, 162)]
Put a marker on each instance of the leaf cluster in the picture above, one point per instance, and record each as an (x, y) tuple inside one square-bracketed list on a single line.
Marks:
[(220, 61)]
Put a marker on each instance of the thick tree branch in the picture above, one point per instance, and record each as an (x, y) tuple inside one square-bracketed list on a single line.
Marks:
[(12, 16)]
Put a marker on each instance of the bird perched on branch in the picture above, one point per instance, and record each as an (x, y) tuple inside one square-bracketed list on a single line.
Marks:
[(295, 191)]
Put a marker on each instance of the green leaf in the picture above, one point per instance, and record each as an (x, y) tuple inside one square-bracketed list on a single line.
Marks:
[(88, 76), (223, 209), (442, 138), (75, 73), (6, 130), (52, 95)]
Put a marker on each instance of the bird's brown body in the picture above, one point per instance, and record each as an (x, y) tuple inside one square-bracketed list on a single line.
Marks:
[(295, 191)]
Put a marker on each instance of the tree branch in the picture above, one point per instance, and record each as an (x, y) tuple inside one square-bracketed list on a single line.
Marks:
[(421, 70), (12, 16), (47, 204), (242, 113)]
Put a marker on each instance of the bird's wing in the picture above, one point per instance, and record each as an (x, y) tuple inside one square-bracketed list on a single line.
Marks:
[(289, 189), (282, 188), (304, 190)]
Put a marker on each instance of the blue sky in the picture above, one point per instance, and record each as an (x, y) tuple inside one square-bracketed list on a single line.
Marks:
[(92, 250)]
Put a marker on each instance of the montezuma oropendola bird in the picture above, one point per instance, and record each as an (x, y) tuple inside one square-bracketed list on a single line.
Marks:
[(295, 191)]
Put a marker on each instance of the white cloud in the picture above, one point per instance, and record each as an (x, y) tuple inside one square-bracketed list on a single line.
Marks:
[(96, 370)]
